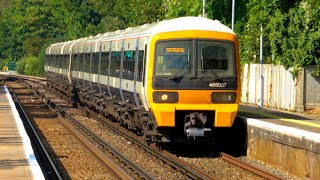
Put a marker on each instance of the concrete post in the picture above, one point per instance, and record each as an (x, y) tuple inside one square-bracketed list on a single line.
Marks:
[(299, 103), (260, 98)]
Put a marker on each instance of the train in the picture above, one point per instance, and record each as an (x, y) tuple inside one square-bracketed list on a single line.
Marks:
[(174, 80)]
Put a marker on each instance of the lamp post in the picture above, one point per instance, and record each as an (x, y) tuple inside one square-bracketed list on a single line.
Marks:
[(232, 21), (260, 98), (203, 8)]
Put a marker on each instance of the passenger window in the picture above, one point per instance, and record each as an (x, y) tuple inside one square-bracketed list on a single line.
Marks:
[(128, 65), (104, 63), (115, 63), (86, 63)]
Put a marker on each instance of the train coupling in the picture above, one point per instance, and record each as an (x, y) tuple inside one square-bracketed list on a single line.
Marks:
[(195, 125)]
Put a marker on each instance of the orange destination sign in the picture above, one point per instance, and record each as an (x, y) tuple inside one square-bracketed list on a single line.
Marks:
[(175, 50)]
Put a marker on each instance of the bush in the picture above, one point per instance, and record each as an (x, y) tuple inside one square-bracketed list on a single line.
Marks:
[(31, 65)]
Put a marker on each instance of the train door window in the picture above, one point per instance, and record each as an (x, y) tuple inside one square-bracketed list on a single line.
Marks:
[(104, 63), (124, 68), (140, 65)]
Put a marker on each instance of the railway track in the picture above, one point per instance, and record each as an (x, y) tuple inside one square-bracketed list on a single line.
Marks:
[(49, 167), (83, 134), (185, 168), (80, 132), (249, 167)]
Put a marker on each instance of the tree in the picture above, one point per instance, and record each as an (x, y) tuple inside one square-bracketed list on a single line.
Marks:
[(178, 8), (295, 37)]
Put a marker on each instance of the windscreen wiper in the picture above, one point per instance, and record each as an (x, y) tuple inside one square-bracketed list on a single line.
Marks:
[(216, 76), (176, 75)]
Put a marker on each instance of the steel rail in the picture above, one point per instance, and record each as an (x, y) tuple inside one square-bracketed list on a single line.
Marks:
[(248, 167), (102, 144), (184, 167), (52, 171), (117, 170)]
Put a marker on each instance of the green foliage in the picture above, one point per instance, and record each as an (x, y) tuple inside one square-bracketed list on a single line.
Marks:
[(30, 65), (295, 37), (290, 27), (178, 8), (3, 62)]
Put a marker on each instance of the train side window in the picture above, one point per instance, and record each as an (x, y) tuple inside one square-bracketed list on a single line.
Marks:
[(96, 63), (86, 63), (56, 62), (92, 62), (66, 61), (74, 62), (128, 64), (115, 63), (56, 59), (52, 59), (104, 63), (60, 61), (81, 62)]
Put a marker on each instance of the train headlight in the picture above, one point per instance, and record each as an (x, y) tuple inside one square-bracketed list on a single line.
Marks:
[(224, 97), (165, 97)]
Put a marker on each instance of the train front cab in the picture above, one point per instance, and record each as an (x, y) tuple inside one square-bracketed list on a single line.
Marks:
[(200, 91)]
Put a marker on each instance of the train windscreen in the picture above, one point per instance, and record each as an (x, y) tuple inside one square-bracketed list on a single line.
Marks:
[(213, 59)]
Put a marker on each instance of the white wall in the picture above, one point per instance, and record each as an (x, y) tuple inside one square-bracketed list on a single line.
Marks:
[(279, 86)]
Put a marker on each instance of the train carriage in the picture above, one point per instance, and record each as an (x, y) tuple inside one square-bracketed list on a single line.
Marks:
[(172, 81)]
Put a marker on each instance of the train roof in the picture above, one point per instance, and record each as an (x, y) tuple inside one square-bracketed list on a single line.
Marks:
[(177, 24)]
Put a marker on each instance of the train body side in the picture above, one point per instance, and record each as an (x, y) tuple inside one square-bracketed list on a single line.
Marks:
[(122, 75)]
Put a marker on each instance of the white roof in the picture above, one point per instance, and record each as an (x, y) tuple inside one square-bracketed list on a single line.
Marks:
[(190, 23), (177, 24)]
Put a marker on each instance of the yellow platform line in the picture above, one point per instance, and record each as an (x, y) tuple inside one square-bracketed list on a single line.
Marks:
[(297, 121)]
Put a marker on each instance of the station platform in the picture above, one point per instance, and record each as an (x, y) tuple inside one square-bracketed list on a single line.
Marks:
[(289, 141), (17, 159)]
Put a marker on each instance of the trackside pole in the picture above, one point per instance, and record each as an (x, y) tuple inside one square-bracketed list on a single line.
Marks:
[(204, 8), (260, 98)]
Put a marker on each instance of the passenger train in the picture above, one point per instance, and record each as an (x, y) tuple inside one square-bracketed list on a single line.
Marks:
[(171, 81)]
